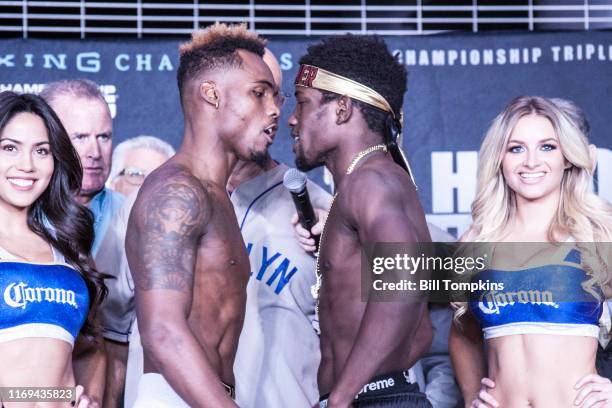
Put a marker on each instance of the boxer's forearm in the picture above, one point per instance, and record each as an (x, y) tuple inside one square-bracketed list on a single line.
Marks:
[(117, 354), (178, 356), (89, 365)]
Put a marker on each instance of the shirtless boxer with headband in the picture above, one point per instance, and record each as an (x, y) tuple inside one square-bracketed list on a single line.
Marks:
[(349, 92)]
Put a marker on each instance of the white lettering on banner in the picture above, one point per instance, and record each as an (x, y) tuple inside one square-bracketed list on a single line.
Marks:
[(437, 57), (444, 180), (108, 91), (29, 63), (22, 88), (453, 55), (143, 62), (121, 62), (165, 64), (474, 57), (286, 62), (110, 96), (55, 61), (503, 56), (423, 57), (88, 62), (92, 61), (19, 295), (7, 60), (581, 52)]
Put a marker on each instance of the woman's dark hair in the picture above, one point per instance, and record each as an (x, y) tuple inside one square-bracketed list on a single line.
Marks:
[(71, 224)]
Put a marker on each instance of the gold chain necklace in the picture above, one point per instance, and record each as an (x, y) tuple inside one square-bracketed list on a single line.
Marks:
[(315, 289)]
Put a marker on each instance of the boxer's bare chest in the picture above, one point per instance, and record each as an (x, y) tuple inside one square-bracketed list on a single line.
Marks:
[(222, 265)]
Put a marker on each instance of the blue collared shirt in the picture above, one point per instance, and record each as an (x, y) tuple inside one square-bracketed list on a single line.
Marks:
[(104, 206)]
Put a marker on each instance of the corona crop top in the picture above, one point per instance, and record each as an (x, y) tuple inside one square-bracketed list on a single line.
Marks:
[(547, 299), (41, 299)]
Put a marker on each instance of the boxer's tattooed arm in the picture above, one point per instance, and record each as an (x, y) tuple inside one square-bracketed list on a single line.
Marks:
[(171, 228), (166, 227)]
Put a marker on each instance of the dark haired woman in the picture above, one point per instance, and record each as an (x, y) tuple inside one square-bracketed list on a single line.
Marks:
[(49, 289)]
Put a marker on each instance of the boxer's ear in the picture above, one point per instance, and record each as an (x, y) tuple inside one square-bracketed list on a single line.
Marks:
[(209, 93), (344, 109)]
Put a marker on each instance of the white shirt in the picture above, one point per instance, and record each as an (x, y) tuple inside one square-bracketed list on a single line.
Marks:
[(278, 353)]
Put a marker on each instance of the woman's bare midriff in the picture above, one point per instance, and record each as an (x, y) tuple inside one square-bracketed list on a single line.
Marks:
[(36, 362), (539, 370)]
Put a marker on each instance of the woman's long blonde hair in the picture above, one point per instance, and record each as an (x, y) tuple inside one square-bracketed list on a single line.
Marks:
[(581, 213)]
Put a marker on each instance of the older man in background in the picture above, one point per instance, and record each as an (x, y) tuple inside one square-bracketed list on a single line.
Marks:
[(85, 114), (81, 108), (134, 159)]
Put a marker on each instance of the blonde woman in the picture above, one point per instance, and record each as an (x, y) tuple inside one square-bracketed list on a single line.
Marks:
[(534, 185)]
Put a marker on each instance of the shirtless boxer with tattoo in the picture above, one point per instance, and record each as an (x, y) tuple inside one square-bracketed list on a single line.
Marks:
[(349, 94), (183, 244)]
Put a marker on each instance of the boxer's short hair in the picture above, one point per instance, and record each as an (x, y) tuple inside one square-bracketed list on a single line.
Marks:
[(215, 47)]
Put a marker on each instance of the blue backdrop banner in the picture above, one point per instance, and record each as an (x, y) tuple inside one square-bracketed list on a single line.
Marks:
[(457, 84)]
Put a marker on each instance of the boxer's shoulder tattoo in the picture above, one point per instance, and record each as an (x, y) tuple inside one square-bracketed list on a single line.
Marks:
[(172, 222)]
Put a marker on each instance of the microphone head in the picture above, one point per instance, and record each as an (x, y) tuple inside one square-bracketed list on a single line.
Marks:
[(294, 180)]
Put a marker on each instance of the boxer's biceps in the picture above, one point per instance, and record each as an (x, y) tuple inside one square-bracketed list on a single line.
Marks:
[(171, 228)]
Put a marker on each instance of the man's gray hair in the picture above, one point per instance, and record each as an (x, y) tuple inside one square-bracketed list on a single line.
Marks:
[(81, 88), (138, 142)]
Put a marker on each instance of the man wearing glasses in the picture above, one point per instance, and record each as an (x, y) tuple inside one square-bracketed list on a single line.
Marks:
[(134, 159)]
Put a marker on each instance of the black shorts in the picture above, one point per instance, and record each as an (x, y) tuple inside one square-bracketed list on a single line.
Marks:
[(603, 362), (393, 390)]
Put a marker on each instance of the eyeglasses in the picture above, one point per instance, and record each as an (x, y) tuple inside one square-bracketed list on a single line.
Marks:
[(133, 175)]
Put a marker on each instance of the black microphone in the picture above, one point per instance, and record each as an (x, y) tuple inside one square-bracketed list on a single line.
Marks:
[(295, 181)]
